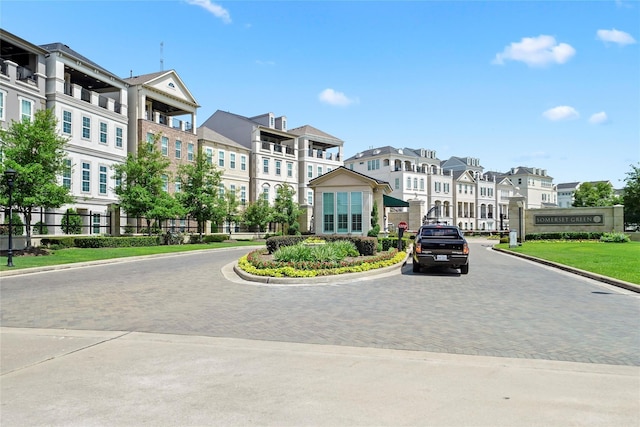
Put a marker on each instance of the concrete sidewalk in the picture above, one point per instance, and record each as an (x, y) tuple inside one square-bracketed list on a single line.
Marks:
[(64, 377)]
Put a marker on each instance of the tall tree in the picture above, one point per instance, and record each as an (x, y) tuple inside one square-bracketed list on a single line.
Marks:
[(142, 179), (257, 214), (631, 196), (285, 210), (36, 152), (599, 194), (230, 203), (199, 193)]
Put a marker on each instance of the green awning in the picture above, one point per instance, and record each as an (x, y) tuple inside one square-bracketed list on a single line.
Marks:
[(392, 202)]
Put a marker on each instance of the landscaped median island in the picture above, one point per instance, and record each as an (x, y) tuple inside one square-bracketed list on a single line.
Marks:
[(296, 256), (609, 255)]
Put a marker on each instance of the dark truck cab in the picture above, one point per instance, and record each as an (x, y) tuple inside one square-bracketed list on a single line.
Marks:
[(438, 245)]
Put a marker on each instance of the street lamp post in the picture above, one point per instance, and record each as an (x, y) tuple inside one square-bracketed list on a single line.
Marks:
[(10, 175)]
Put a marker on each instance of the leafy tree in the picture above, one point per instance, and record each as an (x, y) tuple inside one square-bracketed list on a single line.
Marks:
[(257, 214), (599, 194), (140, 191), (285, 210), (71, 223), (631, 196), (230, 203), (199, 191), (35, 151)]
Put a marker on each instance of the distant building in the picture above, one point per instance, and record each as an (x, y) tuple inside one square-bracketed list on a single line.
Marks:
[(535, 185)]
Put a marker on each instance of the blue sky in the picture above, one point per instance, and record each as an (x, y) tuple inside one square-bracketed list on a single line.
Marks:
[(548, 84)]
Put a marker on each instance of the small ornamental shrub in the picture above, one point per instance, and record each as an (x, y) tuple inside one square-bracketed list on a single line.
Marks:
[(16, 224), (40, 228), (614, 238), (71, 222)]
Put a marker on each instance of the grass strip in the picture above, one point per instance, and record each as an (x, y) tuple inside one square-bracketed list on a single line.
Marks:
[(616, 260), (73, 255)]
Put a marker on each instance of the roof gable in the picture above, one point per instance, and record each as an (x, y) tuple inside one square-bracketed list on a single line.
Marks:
[(344, 177), (165, 82)]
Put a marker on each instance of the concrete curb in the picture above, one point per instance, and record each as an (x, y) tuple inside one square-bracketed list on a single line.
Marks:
[(317, 280), (605, 279)]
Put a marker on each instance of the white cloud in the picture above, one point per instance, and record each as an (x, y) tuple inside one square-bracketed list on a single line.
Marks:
[(536, 52), (615, 36), (331, 97), (598, 118), (562, 112), (265, 63), (217, 10)]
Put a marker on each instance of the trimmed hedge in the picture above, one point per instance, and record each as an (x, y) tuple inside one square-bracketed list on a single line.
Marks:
[(208, 238), (366, 245), (575, 235), (59, 242), (116, 242)]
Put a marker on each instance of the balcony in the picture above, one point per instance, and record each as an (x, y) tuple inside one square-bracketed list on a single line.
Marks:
[(93, 98)]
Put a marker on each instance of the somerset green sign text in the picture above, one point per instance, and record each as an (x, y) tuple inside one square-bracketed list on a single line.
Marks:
[(568, 219)]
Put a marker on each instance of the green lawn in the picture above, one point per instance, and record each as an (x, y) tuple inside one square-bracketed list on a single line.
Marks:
[(616, 260), (71, 255)]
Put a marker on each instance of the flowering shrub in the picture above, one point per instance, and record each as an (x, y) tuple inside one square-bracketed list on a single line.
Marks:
[(254, 263)]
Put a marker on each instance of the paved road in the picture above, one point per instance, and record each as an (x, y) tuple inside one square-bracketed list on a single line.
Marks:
[(505, 307)]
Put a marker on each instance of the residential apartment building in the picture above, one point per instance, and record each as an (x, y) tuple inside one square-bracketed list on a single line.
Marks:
[(91, 106), (22, 79), (318, 153), (566, 193), (230, 159), (162, 107), (535, 185), (273, 150)]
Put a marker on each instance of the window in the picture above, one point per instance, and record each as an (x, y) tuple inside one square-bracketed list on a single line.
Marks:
[(232, 189), (103, 179), (232, 160), (309, 171), (95, 219), (278, 167), (119, 137), (178, 149), (397, 183), (243, 163), (103, 133), (327, 213), (310, 197), (356, 212), (265, 192), (243, 195), (165, 183), (415, 182), (408, 183), (66, 122), (221, 190), (86, 127), (86, 177), (447, 187), (208, 152), (66, 174), (342, 199), (164, 146), (289, 169), (177, 186), (26, 109), (265, 165), (422, 184), (150, 138), (3, 97), (373, 164), (190, 152), (221, 158), (319, 170)]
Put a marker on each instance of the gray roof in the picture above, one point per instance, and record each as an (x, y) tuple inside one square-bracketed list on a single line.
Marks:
[(568, 185), (60, 47), (144, 78), (211, 135), (310, 130)]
